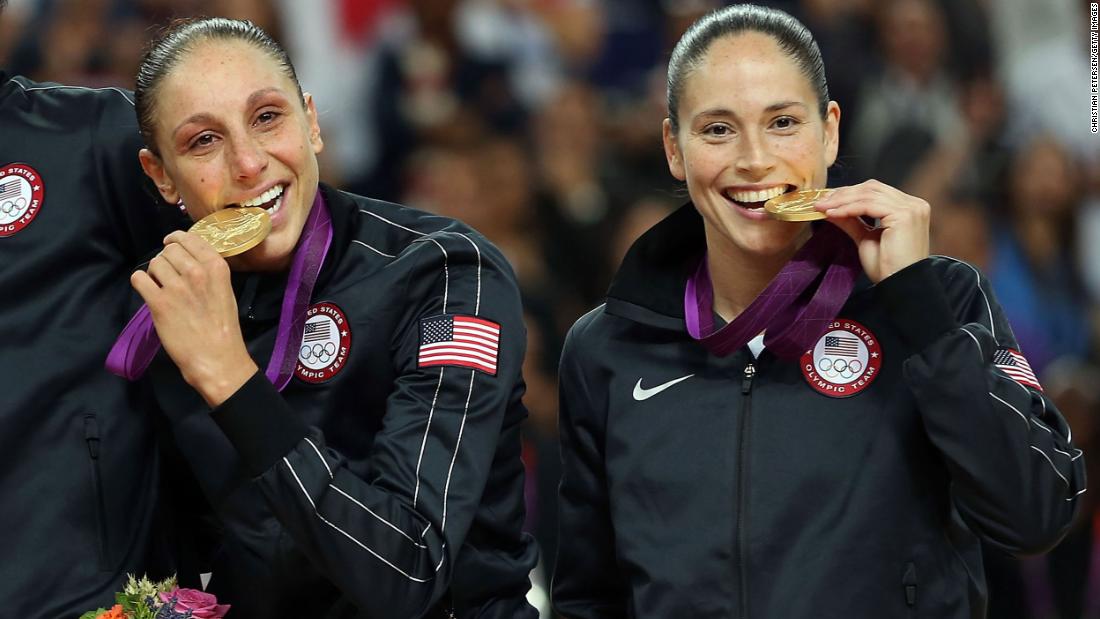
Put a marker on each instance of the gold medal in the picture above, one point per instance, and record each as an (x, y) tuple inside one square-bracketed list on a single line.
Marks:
[(797, 205), (233, 231)]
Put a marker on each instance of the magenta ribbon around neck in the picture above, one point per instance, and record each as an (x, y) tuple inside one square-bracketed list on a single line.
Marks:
[(138, 344), (791, 314)]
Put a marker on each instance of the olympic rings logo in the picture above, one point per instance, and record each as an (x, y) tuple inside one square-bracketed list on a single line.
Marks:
[(12, 209), (839, 367), (317, 353)]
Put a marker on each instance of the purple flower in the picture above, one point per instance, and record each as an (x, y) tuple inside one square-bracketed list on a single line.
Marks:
[(201, 604)]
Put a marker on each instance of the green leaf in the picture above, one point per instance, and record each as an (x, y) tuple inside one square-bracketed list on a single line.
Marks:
[(92, 614)]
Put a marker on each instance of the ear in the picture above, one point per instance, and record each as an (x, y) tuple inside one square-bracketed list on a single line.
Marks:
[(672, 151), (314, 127), (832, 132), (154, 169)]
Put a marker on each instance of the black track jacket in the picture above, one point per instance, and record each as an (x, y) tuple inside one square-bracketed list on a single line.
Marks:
[(372, 486), (79, 475), (744, 491)]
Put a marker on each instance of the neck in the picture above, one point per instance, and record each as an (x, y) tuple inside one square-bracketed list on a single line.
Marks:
[(738, 277)]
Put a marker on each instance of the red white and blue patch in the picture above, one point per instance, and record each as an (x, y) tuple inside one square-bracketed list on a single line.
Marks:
[(461, 341), (326, 341), (21, 196), (845, 360), (1016, 367)]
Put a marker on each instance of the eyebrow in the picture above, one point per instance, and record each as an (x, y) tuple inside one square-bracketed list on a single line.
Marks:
[(202, 117), (775, 107)]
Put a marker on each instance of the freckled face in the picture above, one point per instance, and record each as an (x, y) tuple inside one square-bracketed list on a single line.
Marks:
[(749, 130), (232, 132)]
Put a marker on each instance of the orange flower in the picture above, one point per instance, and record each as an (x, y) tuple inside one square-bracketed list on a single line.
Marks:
[(114, 613)]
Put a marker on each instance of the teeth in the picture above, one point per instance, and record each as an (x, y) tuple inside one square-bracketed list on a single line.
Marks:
[(756, 196), (266, 196), (275, 207)]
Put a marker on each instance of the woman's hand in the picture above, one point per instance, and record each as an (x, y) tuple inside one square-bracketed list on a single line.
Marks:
[(902, 236), (188, 291)]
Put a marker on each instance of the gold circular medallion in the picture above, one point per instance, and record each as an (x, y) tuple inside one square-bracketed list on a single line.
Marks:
[(233, 231), (797, 205)]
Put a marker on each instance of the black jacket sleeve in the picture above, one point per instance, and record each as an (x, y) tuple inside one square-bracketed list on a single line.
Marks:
[(388, 538), (137, 215), (587, 582), (1015, 476)]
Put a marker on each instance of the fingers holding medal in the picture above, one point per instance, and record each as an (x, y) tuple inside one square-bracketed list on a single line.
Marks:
[(899, 240), (188, 291)]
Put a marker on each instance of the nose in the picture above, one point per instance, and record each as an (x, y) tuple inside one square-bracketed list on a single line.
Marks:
[(754, 157), (248, 158)]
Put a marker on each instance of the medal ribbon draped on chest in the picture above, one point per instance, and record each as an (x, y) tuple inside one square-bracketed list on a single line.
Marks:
[(138, 343), (791, 312)]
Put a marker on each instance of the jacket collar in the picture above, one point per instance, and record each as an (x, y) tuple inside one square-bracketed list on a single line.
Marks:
[(260, 295), (649, 286)]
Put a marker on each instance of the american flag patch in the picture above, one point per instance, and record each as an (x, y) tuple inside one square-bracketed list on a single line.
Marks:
[(9, 189), (1012, 363), (461, 341), (840, 345)]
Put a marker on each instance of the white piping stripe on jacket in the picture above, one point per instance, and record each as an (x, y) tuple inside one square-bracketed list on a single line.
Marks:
[(1027, 420), (446, 274), (377, 251), (356, 501), (320, 457), (461, 427), (424, 441), (396, 225), (65, 87), (978, 283), (477, 303), (345, 533), (377, 517)]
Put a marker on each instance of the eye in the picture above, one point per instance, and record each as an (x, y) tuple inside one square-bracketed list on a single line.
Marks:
[(267, 117), (203, 140), (718, 130), (785, 122)]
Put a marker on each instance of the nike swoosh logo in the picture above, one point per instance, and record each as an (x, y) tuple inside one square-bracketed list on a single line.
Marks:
[(641, 393)]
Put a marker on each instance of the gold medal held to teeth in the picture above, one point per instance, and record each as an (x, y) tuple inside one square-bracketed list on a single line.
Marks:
[(797, 205), (234, 231)]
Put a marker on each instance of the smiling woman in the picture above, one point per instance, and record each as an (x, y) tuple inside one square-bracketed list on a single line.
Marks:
[(860, 424), (384, 432)]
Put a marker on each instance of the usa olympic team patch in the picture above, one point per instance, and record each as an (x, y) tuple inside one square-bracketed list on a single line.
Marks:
[(326, 341), (21, 194), (844, 362)]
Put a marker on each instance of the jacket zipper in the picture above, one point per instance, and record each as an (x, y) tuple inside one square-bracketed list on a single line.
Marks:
[(91, 438), (742, 481), (909, 583)]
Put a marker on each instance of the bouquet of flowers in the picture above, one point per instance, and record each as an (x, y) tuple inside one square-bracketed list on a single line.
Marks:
[(144, 599)]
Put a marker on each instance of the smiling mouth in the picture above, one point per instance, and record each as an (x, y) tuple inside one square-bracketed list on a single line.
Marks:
[(752, 200), (270, 200)]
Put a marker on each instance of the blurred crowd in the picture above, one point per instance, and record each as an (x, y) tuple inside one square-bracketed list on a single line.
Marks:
[(538, 123)]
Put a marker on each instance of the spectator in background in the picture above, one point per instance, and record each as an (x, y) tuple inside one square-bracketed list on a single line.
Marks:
[(910, 95), (1033, 266)]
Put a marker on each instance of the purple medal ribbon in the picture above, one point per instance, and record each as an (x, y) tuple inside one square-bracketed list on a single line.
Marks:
[(791, 318), (138, 343)]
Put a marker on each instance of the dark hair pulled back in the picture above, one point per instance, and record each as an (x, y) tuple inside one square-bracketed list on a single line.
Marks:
[(180, 38), (789, 33)]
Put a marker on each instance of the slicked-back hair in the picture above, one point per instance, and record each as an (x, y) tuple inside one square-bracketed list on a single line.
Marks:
[(180, 38), (790, 34)]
